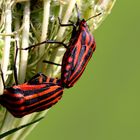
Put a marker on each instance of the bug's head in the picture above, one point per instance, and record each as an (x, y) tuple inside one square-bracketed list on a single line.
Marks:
[(83, 23)]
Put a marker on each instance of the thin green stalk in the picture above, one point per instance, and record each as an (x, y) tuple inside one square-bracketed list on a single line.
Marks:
[(25, 42), (18, 128), (45, 23)]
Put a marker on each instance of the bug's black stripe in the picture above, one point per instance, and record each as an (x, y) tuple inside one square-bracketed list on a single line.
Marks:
[(12, 100), (13, 90), (12, 96), (83, 39), (68, 72), (33, 108), (47, 106), (90, 39), (14, 108), (73, 55), (31, 101), (82, 67), (73, 81), (41, 89), (44, 107), (39, 98), (38, 108), (21, 108), (89, 54), (50, 104), (82, 52)]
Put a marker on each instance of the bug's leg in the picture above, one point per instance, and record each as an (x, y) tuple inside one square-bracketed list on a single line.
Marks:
[(33, 46), (15, 69), (57, 42), (37, 79), (53, 63), (70, 24), (2, 77), (46, 41)]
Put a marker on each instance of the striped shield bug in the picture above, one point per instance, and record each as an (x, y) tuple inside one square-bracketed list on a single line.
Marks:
[(38, 94), (78, 51)]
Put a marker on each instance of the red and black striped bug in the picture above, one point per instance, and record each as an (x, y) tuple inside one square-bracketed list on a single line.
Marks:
[(78, 52), (33, 96), (38, 94)]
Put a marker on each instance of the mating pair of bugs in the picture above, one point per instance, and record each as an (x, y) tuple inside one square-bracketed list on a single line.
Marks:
[(42, 92)]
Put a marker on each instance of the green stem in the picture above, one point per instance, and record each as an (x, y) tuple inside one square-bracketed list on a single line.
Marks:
[(25, 43), (45, 23)]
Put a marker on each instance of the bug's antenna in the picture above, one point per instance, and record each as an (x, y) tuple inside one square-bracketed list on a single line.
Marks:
[(93, 16), (2, 77), (78, 13)]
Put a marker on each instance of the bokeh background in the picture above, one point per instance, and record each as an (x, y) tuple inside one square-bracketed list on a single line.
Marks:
[(105, 103)]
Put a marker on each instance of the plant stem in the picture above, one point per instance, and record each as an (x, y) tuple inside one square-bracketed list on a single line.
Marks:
[(45, 23), (23, 61), (57, 54), (25, 43), (8, 119), (7, 40)]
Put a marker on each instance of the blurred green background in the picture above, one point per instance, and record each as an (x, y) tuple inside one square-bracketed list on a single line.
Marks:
[(104, 104)]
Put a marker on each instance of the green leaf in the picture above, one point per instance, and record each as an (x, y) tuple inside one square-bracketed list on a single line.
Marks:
[(18, 128)]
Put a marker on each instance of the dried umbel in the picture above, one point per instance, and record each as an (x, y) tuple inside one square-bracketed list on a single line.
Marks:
[(30, 22)]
